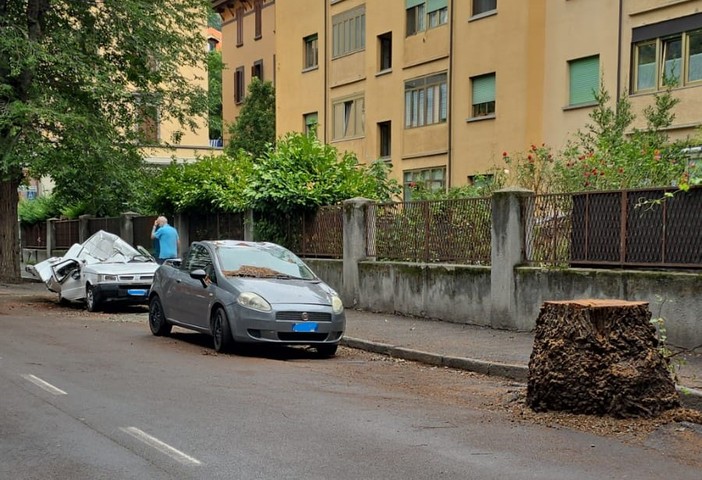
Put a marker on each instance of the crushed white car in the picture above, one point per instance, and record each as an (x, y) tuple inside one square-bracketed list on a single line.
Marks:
[(100, 270)]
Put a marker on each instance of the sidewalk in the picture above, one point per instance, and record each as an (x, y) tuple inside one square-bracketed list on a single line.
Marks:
[(480, 349)]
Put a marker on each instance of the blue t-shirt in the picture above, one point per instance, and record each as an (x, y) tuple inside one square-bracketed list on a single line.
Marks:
[(168, 241)]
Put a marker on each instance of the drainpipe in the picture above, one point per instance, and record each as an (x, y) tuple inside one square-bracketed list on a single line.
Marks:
[(619, 55), (450, 99), (326, 74)]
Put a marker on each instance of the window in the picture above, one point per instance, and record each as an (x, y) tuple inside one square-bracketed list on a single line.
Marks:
[(239, 27), (197, 258), (645, 73), (415, 16), (349, 32), (437, 12), (257, 21), (483, 6), (672, 61), (349, 118), (311, 122), (694, 64), (584, 77), (432, 179), (311, 52), (667, 53), (257, 70), (483, 99), (384, 139), (385, 49), (239, 85), (425, 101), (147, 125)]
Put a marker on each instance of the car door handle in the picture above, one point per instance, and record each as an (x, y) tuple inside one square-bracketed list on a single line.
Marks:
[(178, 281)]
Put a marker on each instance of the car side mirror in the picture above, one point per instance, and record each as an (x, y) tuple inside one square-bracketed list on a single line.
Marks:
[(201, 275)]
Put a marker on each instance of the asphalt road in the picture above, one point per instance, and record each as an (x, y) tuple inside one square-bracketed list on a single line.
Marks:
[(92, 396)]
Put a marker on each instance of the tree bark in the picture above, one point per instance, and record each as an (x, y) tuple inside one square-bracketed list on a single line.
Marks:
[(599, 357), (9, 229)]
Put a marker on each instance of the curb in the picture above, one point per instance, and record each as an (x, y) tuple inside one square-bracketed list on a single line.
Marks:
[(689, 397)]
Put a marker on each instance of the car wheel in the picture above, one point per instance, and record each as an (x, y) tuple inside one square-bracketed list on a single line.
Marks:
[(327, 350), (222, 334), (92, 299), (157, 319)]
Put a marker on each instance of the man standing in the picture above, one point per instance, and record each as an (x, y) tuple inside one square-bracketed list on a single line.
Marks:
[(168, 239)]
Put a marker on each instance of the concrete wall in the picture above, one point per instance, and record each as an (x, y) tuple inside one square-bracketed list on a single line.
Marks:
[(506, 295)]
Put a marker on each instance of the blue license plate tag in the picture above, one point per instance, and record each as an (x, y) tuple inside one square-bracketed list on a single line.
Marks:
[(136, 292), (305, 327)]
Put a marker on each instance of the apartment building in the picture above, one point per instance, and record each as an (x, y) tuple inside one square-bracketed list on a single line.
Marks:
[(169, 138), (440, 88)]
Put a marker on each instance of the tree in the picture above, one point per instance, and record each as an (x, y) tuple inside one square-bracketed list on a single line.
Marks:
[(254, 129), (214, 93), (76, 78)]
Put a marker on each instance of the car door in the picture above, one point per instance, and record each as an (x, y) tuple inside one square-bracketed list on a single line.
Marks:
[(195, 299), (66, 279)]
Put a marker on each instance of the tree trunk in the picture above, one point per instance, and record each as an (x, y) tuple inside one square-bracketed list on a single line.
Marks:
[(599, 357), (9, 230)]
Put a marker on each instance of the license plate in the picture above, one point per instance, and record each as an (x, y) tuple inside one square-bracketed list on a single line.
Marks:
[(136, 292), (305, 327)]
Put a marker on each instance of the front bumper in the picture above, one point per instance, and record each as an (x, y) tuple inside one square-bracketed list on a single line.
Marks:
[(123, 293), (289, 325)]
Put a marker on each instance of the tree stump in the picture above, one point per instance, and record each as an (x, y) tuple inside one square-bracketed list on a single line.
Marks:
[(599, 357)]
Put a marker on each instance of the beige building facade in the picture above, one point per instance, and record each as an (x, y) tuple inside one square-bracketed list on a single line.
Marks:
[(441, 88)]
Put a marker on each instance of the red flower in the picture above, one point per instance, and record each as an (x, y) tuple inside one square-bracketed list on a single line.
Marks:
[(504, 154)]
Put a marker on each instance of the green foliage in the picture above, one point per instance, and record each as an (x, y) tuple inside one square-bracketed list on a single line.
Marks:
[(214, 93), (75, 79), (212, 184), (301, 173), (607, 154), (483, 186), (254, 129), (38, 210)]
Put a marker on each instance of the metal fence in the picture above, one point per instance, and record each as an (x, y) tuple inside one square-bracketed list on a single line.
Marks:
[(450, 231), (66, 233), (33, 236), (626, 228), (323, 233), (548, 229), (108, 224), (216, 226)]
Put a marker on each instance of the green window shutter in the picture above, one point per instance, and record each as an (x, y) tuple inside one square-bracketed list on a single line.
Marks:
[(584, 80), (413, 3), (434, 5), (484, 89)]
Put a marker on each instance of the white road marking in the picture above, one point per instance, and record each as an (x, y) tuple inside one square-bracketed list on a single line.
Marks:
[(44, 385), (161, 446)]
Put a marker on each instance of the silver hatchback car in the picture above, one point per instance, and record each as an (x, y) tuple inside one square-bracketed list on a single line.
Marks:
[(246, 292)]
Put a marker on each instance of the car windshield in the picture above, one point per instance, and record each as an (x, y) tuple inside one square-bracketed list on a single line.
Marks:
[(262, 261)]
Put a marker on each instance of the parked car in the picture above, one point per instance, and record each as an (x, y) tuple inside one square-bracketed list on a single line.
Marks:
[(102, 269), (246, 292)]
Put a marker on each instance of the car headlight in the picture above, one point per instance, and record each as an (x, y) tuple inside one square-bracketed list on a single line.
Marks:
[(337, 304), (107, 278), (254, 302)]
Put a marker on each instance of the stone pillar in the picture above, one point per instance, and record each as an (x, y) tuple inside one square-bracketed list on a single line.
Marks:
[(507, 253), (126, 226), (354, 247), (248, 226), (83, 227), (50, 237)]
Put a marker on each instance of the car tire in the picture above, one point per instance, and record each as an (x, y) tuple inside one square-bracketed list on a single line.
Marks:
[(92, 299), (221, 332), (157, 318), (327, 350)]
